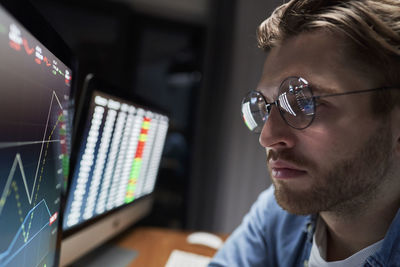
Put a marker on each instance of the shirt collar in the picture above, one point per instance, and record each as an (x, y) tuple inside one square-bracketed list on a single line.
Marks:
[(391, 243), (310, 225)]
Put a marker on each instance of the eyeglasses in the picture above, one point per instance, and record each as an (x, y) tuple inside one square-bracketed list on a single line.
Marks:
[(296, 104)]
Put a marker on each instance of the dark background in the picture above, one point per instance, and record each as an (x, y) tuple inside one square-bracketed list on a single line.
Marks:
[(195, 61)]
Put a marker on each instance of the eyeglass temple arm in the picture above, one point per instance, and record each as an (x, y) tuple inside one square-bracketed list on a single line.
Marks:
[(358, 92)]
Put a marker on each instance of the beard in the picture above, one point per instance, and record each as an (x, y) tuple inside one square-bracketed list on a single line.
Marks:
[(346, 186)]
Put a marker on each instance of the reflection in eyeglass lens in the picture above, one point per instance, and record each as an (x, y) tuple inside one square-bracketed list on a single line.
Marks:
[(248, 117), (284, 103)]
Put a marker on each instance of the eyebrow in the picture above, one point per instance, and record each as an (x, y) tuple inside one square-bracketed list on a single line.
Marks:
[(318, 91), (323, 90)]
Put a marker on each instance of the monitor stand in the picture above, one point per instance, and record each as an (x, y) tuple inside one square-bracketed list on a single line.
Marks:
[(77, 245)]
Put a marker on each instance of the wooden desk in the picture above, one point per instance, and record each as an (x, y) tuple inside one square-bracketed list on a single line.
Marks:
[(154, 245)]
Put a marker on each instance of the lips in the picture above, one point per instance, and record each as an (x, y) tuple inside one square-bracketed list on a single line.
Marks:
[(285, 170)]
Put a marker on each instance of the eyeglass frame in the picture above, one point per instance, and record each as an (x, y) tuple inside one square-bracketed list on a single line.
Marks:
[(314, 98)]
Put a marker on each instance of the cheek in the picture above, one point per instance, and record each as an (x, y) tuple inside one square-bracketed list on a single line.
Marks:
[(340, 131), (325, 147)]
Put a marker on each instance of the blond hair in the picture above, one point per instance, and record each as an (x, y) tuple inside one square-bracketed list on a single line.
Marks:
[(372, 26)]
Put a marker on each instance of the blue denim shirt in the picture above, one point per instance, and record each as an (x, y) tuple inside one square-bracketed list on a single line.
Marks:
[(270, 236)]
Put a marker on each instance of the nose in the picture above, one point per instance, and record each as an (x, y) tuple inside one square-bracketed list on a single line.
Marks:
[(276, 133)]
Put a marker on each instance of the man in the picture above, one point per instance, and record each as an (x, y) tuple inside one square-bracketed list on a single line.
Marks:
[(328, 112)]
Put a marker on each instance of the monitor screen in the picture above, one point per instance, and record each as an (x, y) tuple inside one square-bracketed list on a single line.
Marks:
[(34, 98), (118, 158)]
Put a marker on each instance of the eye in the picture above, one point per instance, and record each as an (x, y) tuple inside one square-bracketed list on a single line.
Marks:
[(323, 106), (320, 102)]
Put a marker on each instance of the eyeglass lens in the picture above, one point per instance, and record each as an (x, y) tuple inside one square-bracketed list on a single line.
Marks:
[(255, 111), (295, 102)]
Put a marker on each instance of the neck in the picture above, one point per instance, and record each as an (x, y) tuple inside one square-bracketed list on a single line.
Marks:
[(350, 232)]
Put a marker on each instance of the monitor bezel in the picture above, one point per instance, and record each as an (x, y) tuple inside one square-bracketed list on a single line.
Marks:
[(35, 23), (91, 85)]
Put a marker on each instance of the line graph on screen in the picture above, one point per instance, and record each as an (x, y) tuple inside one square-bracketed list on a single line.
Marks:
[(34, 231)]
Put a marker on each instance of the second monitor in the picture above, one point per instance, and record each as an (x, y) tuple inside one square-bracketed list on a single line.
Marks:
[(117, 163)]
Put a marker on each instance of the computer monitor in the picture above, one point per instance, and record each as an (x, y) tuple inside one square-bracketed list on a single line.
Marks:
[(35, 74), (115, 170)]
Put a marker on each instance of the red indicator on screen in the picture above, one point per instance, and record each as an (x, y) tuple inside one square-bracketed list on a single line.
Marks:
[(47, 61), (53, 218), (67, 77), (28, 50), (15, 46)]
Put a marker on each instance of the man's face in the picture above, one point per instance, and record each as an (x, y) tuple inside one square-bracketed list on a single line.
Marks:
[(341, 160)]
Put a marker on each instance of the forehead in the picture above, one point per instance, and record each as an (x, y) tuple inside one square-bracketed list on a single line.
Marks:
[(319, 57)]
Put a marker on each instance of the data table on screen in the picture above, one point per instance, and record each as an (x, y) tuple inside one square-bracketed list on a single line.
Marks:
[(118, 160)]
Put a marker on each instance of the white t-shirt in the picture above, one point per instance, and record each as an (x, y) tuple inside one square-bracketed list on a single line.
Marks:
[(318, 251)]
